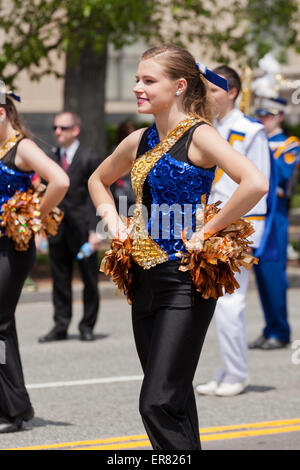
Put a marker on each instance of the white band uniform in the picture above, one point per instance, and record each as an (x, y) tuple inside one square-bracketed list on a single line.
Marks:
[(249, 138)]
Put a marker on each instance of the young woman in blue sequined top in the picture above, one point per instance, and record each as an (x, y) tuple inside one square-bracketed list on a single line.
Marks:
[(20, 157), (172, 167)]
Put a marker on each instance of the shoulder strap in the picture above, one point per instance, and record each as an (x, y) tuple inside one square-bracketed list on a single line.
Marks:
[(191, 133), (9, 144), (142, 145), (188, 143)]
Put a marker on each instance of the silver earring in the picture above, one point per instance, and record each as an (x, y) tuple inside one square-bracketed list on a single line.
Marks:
[(2, 120), (178, 93)]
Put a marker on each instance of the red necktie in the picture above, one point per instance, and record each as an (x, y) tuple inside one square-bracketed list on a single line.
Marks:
[(64, 162)]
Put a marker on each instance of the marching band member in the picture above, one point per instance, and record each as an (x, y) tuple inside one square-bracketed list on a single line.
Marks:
[(248, 137), (271, 271)]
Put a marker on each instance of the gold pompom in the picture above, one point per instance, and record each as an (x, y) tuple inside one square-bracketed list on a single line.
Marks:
[(21, 218), (51, 221), (214, 264), (117, 263)]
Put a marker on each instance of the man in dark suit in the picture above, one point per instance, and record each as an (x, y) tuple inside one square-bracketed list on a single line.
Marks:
[(78, 226)]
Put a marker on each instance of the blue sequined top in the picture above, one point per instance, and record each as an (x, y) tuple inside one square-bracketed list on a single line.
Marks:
[(176, 187), (11, 181)]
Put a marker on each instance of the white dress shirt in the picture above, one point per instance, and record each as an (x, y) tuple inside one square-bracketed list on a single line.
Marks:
[(70, 151)]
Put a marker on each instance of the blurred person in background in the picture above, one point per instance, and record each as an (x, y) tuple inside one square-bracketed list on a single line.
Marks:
[(77, 228), (271, 273), (20, 159), (249, 138)]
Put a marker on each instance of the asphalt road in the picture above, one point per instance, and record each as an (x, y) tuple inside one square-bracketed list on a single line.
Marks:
[(85, 395)]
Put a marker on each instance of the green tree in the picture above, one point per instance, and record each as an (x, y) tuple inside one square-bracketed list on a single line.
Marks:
[(35, 30), (81, 29)]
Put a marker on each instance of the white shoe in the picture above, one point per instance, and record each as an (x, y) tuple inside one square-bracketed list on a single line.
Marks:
[(292, 254), (209, 388), (231, 390)]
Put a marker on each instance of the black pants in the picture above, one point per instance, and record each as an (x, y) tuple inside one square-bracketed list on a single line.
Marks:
[(170, 321), (14, 268), (62, 257)]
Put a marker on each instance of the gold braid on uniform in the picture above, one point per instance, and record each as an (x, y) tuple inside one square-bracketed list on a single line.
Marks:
[(145, 251), (140, 247)]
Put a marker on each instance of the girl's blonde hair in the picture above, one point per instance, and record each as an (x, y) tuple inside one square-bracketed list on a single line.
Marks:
[(179, 63)]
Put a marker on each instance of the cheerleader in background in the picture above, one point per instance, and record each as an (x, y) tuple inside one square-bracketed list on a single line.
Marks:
[(20, 158)]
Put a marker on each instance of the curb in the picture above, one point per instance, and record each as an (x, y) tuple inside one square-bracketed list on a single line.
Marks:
[(44, 292), (109, 291)]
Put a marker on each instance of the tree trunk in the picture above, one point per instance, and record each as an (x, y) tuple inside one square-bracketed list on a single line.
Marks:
[(84, 94)]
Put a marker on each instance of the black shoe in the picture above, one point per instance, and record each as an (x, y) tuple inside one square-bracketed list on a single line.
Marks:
[(258, 343), (11, 425), (87, 336), (53, 335), (273, 343), (15, 424), (28, 415)]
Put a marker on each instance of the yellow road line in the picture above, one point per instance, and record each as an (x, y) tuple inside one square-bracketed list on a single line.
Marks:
[(239, 434), (128, 445), (80, 443), (263, 424), (207, 434), (211, 437)]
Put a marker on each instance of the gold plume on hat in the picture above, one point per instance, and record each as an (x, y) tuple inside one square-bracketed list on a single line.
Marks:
[(246, 94)]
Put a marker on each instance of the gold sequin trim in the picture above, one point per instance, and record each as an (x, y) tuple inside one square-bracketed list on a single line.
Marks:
[(145, 252), (9, 144)]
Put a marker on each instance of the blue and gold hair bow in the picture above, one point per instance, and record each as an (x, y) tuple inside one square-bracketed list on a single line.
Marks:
[(212, 77), (4, 92), (14, 96)]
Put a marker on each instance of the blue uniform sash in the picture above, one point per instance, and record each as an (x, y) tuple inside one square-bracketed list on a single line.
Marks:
[(268, 248)]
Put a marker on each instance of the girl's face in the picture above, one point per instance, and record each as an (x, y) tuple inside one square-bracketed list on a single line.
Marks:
[(154, 90)]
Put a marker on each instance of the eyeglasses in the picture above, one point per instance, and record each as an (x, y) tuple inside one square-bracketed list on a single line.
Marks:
[(63, 128)]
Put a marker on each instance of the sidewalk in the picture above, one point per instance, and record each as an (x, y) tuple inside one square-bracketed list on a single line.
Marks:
[(109, 291), (43, 293)]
